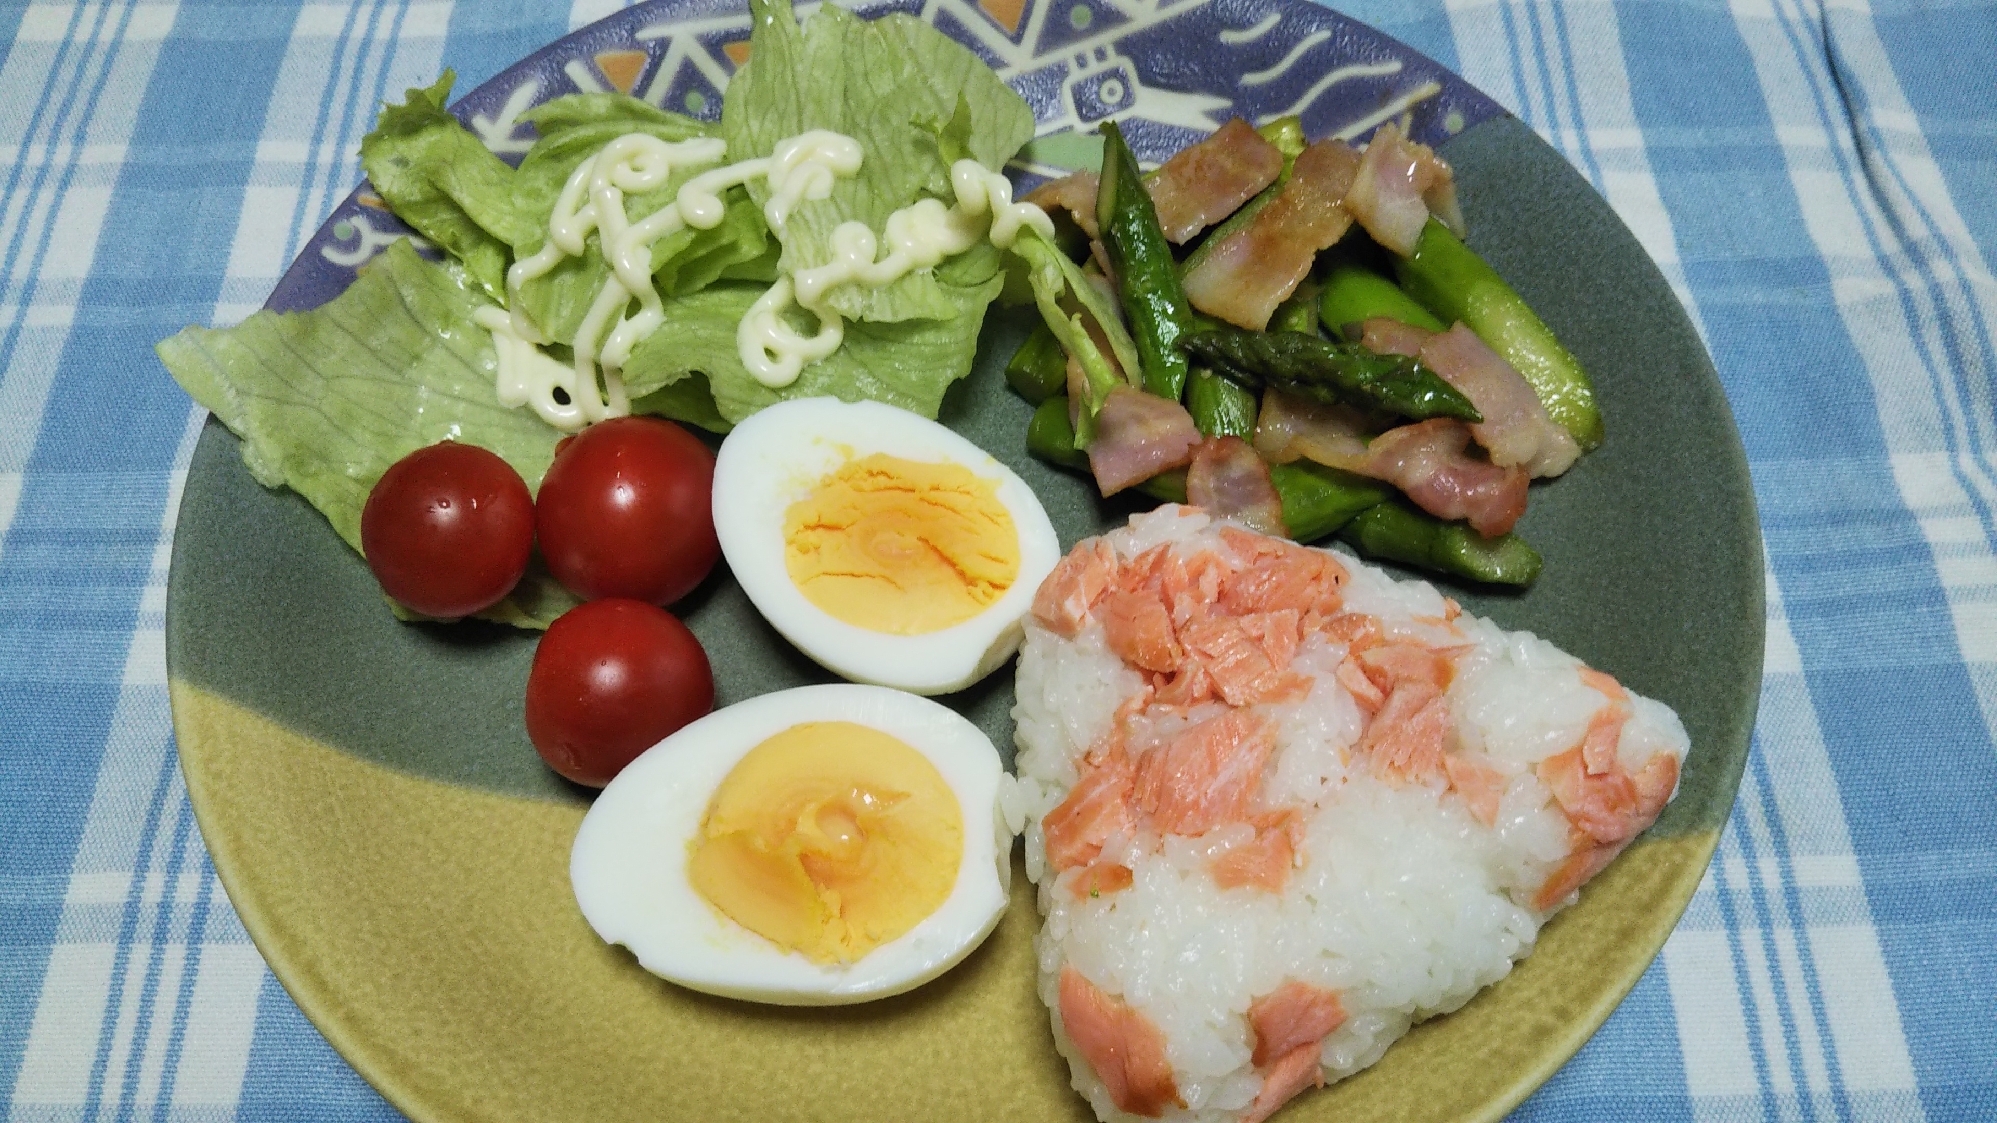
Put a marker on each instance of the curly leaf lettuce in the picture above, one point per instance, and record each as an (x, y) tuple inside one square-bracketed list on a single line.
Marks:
[(893, 362), (897, 86), (573, 129), (446, 185), (326, 400)]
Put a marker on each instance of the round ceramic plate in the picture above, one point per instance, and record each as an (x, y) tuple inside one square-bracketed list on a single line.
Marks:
[(400, 855)]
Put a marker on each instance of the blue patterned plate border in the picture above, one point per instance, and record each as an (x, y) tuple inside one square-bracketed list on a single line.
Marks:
[(1168, 71)]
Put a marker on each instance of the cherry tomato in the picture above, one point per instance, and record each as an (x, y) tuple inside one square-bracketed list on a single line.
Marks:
[(626, 511), (447, 529), (611, 679)]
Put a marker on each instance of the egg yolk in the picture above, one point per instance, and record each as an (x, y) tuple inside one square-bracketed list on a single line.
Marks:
[(831, 839), (901, 546)]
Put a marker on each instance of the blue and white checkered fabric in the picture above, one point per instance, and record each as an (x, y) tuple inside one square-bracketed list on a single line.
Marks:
[(1817, 178)]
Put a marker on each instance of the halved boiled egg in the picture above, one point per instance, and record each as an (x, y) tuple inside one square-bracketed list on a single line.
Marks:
[(815, 846), (884, 546)]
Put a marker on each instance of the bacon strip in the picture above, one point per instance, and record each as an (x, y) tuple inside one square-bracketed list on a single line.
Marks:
[(1229, 480), (1390, 192), (1292, 429), (1139, 435), (1427, 462), (1244, 277), (1516, 429), (1076, 193), (1200, 185), (1210, 180), (1384, 335)]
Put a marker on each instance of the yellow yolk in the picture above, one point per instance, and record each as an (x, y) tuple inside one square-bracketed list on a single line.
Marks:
[(901, 546), (831, 839)]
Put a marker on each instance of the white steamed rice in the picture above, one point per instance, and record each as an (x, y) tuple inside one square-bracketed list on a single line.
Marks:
[(1401, 901)]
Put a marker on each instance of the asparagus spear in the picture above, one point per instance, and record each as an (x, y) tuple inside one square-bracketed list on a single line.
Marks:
[(1353, 293), (1318, 500), (1219, 406), (1327, 371), (1147, 278), (1450, 280), (1039, 369), (1050, 437), (1398, 532), (1298, 313)]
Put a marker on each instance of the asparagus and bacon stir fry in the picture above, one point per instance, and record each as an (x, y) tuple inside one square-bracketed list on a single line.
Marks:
[(1295, 335)]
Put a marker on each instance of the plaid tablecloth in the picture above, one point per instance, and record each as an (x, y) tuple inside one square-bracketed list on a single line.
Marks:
[(1817, 180)]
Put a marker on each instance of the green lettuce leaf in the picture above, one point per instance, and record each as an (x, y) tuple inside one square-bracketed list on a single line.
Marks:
[(689, 399), (1068, 301), (906, 363), (575, 128), (907, 93), (739, 248), (326, 400), (445, 184)]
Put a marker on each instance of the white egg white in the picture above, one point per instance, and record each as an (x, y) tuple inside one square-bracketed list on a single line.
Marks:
[(629, 863), (780, 455)]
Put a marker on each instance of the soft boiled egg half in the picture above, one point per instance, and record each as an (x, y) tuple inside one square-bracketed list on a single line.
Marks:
[(884, 546), (816, 846)]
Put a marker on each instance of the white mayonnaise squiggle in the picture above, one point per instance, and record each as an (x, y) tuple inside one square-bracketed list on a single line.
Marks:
[(529, 376), (983, 191), (799, 169), (919, 236)]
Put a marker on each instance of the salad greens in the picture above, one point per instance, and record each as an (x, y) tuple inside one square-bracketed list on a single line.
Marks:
[(445, 184), (326, 400), (887, 362), (572, 130), (915, 100)]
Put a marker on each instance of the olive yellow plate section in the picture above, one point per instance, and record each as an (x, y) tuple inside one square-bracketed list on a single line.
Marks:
[(429, 930)]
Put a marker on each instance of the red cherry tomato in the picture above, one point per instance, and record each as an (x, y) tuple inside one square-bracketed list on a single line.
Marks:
[(447, 529), (626, 510), (611, 679)]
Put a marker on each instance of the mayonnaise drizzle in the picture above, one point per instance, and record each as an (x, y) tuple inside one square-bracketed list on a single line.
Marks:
[(919, 236), (798, 169)]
